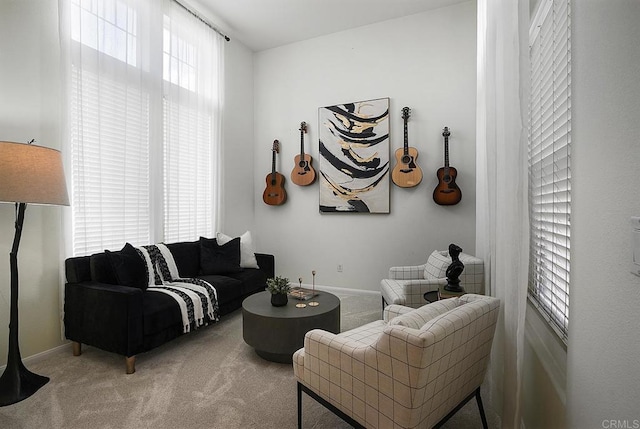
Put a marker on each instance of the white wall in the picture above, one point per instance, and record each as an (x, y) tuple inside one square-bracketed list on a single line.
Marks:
[(425, 61), (604, 339), (238, 168)]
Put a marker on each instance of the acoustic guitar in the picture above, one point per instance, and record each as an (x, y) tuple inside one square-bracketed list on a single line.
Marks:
[(274, 194), (303, 173), (406, 173), (447, 192)]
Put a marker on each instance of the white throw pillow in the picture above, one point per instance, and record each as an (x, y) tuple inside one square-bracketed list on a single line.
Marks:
[(247, 251), (437, 265)]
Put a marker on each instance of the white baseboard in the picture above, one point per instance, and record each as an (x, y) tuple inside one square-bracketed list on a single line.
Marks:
[(42, 355), (334, 289)]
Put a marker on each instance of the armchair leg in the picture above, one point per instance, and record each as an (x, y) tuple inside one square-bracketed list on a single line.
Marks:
[(299, 406), (324, 403), (77, 348), (131, 364), (481, 409), (476, 393)]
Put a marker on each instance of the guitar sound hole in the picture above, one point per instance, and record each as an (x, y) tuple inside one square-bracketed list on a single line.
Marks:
[(406, 159)]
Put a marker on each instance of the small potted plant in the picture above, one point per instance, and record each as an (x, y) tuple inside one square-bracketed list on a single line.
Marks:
[(279, 288)]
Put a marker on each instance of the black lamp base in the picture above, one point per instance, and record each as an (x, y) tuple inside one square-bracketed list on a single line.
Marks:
[(18, 383)]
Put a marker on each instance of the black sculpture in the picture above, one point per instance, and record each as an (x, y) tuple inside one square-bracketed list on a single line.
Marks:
[(454, 270)]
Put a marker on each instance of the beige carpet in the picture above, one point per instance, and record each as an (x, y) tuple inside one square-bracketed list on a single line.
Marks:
[(206, 379)]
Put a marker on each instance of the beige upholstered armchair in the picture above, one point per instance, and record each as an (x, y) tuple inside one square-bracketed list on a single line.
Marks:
[(407, 285), (413, 369)]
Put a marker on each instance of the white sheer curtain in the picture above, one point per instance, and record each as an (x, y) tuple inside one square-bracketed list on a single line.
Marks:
[(112, 79), (143, 96), (501, 211), (192, 111)]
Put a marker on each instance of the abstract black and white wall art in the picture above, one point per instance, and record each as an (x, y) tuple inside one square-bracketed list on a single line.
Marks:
[(354, 157)]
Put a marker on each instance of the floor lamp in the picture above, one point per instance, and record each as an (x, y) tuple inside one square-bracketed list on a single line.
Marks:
[(28, 174)]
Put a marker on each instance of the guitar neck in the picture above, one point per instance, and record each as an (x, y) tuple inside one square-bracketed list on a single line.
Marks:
[(301, 144), (446, 152), (406, 138), (446, 135), (273, 164)]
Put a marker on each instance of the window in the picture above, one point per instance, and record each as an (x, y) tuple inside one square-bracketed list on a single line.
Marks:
[(144, 138), (109, 27), (549, 163), (189, 106)]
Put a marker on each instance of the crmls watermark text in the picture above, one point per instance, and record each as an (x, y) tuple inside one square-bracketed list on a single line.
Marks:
[(621, 424)]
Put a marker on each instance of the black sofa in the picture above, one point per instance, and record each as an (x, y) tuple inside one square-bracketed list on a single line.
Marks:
[(129, 320)]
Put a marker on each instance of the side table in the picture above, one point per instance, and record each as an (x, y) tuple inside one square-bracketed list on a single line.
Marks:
[(277, 332), (441, 293)]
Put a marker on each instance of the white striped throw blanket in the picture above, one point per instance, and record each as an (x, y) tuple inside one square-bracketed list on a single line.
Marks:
[(198, 299)]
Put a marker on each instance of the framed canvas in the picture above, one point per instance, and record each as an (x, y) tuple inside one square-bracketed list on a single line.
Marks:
[(354, 157)]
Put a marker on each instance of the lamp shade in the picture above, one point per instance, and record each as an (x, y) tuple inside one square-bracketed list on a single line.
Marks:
[(31, 174)]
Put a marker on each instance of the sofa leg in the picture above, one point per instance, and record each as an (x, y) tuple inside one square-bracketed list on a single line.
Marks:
[(77, 348), (131, 364)]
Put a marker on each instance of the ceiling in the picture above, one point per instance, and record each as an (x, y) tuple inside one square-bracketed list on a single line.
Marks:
[(265, 24)]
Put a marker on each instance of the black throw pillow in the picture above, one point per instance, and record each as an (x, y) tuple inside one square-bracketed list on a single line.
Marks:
[(129, 267), (219, 259)]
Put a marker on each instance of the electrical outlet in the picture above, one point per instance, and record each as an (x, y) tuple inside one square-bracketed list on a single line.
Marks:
[(339, 268)]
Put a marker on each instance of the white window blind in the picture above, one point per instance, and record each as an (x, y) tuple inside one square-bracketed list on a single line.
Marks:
[(188, 187), (549, 163), (143, 138)]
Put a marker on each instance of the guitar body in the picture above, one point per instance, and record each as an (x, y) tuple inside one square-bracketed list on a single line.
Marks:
[(406, 172), (303, 173), (447, 193), (274, 194)]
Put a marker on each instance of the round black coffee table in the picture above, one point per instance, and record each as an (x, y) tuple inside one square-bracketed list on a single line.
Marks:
[(277, 332)]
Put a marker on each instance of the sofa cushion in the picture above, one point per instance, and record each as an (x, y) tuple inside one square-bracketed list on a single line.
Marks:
[(437, 264), (227, 288), (219, 259), (247, 250), (418, 317), (129, 267), (187, 257), (252, 280), (160, 312)]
